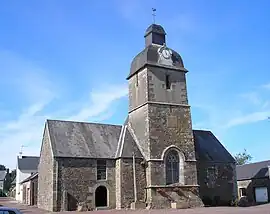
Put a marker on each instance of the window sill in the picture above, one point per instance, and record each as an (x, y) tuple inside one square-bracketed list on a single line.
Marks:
[(102, 180)]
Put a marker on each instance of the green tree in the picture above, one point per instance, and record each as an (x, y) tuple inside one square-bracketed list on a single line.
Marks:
[(12, 176), (242, 158), (2, 167)]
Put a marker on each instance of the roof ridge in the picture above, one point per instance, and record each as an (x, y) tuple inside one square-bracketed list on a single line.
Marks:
[(248, 164), (28, 156), (201, 130), (83, 122)]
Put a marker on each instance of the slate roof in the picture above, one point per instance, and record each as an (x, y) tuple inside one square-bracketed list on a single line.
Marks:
[(2, 174), (30, 177), (208, 148), (154, 28), (253, 170), (29, 163), (84, 140), (94, 140), (150, 56)]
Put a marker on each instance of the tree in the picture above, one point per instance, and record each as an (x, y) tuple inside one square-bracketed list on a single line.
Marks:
[(2, 167), (242, 158), (12, 176)]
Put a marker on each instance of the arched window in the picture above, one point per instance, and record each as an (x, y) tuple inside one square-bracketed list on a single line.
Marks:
[(172, 167)]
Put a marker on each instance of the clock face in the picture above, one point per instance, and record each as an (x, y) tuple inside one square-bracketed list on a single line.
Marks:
[(166, 53)]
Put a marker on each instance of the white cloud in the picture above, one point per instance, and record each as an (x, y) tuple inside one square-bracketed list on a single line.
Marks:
[(253, 107), (27, 129), (100, 102), (266, 86), (252, 97), (247, 119), (26, 124)]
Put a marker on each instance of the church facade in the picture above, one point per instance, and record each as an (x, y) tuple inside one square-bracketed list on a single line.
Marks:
[(154, 160)]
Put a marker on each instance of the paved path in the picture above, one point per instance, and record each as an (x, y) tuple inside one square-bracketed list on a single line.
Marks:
[(9, 202), (263, 209)]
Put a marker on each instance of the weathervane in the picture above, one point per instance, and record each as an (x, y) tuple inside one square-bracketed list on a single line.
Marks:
[(154, 14)]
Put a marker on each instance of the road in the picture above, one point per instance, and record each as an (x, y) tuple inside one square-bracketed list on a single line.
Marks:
[(262, 209)]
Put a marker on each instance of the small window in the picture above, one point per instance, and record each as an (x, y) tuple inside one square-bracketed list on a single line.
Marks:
[(137, 80), (101, 169), (211, 176), (243, 192), (168, 83)]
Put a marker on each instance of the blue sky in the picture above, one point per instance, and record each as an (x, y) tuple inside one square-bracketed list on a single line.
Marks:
[(69, 60)]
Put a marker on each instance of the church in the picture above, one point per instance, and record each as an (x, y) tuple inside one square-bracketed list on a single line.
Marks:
[(155, 160)]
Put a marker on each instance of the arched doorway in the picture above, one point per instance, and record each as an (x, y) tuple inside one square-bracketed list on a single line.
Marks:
[(101, 197)]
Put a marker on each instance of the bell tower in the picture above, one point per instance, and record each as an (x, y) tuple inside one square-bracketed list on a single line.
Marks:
[(160, 118)]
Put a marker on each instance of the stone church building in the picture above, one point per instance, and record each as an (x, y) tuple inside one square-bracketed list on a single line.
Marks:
[(154, 160)]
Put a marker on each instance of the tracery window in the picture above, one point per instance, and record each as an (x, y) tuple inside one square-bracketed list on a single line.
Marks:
[(172, 167)]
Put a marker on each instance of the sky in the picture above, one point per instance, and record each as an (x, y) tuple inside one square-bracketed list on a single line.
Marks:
[(68, 60)]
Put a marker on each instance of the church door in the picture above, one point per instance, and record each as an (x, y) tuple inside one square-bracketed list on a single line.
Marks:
[(101, 197)]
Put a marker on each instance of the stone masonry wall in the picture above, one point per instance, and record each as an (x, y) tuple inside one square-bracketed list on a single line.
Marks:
[(78, 182), (45, 178), (156, 82), (138, 90), (216, 182), (127, 182), (170, 125)]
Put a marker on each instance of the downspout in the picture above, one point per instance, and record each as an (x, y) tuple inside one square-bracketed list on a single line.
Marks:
[(134, 179)]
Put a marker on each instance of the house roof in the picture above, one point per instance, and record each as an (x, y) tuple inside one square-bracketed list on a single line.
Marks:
[(208, 147), (34, 175), (253, 170), (84, 140), (3, 174), (29, 163)]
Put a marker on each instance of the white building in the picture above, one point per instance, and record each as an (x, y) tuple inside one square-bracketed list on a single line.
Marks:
[(3, 174), (26, 166)]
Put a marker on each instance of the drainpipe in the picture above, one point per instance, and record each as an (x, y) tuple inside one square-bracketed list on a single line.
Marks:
[(134, 179)]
